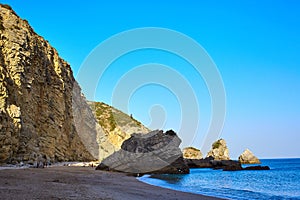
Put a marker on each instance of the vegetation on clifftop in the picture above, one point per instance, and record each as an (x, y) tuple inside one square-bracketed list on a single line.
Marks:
[(111, 118), (216, 144)]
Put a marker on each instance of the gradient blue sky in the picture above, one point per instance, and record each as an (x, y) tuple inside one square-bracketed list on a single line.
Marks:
[(255, 45)]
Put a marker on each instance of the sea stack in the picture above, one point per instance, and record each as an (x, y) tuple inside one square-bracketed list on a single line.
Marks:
[(219, 150), (191, 153), (247, 157)]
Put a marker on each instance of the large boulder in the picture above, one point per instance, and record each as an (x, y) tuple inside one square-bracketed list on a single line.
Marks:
[(247, 157), (155, 152), (219, 150), (191, 153)]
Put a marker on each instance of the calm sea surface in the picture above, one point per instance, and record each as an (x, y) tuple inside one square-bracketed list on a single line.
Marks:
[(281, 182)]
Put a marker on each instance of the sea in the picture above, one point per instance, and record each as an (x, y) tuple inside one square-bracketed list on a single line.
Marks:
[(281, 182)]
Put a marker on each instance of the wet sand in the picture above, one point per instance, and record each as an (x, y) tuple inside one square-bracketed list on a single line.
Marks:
[(80, 183)]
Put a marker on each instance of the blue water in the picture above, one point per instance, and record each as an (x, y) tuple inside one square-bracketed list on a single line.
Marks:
[(281, 182)]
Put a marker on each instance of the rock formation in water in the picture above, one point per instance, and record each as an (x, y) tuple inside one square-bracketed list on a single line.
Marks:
[(247, 157), (191, 153), (155, 152), (117, 127), (37, 93), (226, 165), (219, 150), (257, 168), (209, 162), (199, 163)]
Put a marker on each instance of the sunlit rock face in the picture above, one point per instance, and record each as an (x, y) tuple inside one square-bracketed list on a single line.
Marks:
[(44, 117), (37, 89), (219, 150), (116, 128), (191, 153), (247, 157)]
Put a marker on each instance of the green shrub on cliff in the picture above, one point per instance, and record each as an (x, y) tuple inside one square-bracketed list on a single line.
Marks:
[(216, 144)]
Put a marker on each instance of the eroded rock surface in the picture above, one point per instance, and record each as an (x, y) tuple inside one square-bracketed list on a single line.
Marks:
[(37, 89), (191, 153), (247, 157), (116, 128), (155, 152), (219, 150)]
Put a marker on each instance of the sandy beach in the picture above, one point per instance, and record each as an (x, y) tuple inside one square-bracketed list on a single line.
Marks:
[(80, 183)]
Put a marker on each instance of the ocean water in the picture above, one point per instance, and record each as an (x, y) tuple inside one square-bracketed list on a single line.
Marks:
[(281, 182)]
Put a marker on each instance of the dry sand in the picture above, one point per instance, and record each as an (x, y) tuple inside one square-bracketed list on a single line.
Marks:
[(80, 183)]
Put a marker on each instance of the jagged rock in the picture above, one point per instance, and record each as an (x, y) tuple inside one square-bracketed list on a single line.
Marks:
[(191, 153), (247, 157), (226, 165), (209, 162), (37, 92), (219, 150), (155, 152), (199, 163)]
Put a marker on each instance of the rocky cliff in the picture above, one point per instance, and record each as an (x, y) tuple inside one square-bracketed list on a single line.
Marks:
[(43, 114), (247, 157), (116, 125), (155, 152), (219, 150), (37, 92)]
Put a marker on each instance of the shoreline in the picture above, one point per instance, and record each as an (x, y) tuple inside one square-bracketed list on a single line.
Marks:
[(65, 182)]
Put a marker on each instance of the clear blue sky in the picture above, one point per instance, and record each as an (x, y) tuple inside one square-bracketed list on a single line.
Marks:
[(255, 45)]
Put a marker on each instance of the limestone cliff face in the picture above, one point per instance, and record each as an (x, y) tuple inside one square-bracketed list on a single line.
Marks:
[(247, 157), (191, 153), (219, 150), (117, 127), (36, 97)]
